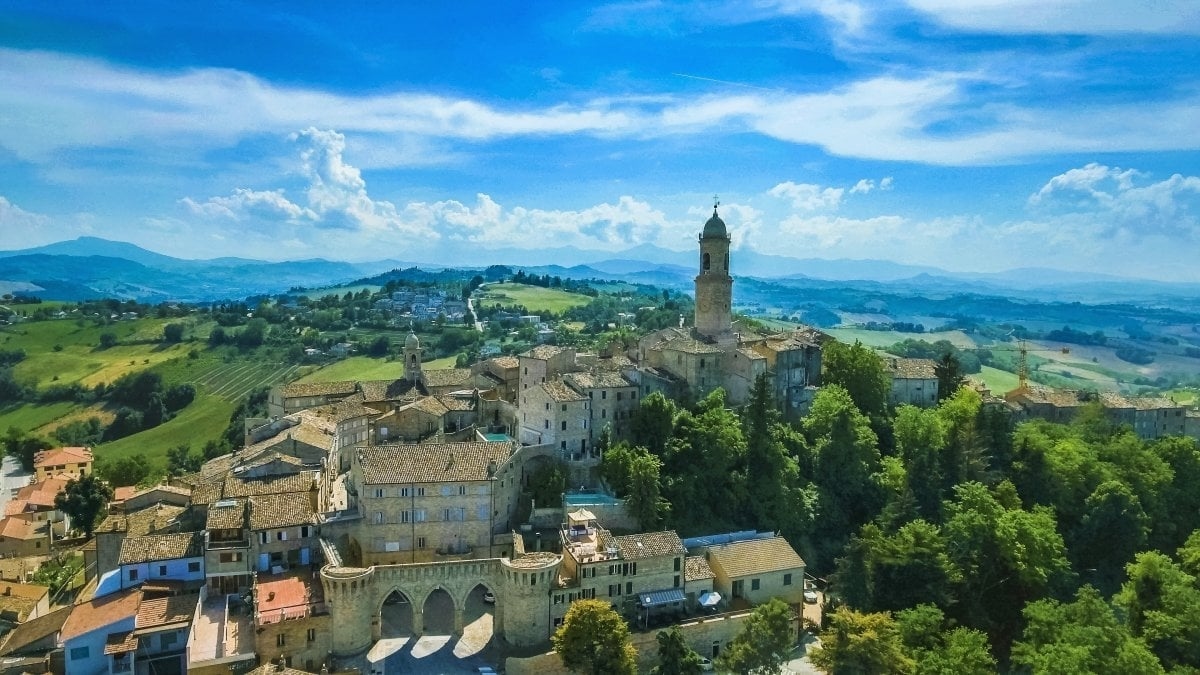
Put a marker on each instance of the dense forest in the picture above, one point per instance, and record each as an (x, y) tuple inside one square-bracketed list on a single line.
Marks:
[(952, 539)]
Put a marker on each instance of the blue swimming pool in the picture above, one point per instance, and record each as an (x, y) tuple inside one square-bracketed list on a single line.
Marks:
[(588, 498)]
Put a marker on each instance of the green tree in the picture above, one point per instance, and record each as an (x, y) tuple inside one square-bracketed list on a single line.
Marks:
[(1113, 529), (920, 437), (962, 651), (23, 447), (950, 375), (859, 370), (862, 644), (84, 499), (1161, 603), (594, 639), (762, 646), (653, 422), (675, 657), (173, 333), (108, 340), (644, 498), (122, 471), (181, 460), (1083, 636)]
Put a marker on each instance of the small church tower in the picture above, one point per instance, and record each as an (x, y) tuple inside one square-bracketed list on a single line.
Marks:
[(714, 286), (412, 358)]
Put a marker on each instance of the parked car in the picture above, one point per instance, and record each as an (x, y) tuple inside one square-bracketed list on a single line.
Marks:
[(810, 596), (706, 664), (489, 597)]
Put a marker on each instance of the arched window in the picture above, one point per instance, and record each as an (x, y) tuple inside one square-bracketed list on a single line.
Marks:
[(706, 262)]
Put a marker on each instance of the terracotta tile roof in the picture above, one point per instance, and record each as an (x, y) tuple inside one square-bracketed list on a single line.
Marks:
[(17, 527), (544, 352), (152, 519), (268, 485), (911, 369), (17, 601), (689, 345), (155, 612), (304, 389), (390, 390), (431, 405), (64, 455), (600, 379), (1055, 397), (152, 547), (446, 377), (34, 630), (649, 545), (40, 494), (432, 462), (105, 611), (344, 410), (558, 391), (506, 362), (226, 515), (458, 403), (120, 643), (695, 568), (757, 556), (122, 493), (285, 510), (614, 362)]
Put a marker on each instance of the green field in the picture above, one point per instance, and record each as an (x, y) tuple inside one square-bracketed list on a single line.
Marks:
[(887, 338), (999, 381), (363, 368), (30, 417), (204, 420), (533, 298), (80, 359)]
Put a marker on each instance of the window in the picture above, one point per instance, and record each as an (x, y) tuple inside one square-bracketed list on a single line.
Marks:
[(462, 489), (420, 542), (420, 492), (614, 590), (281, 640), (676, 581), (677, 563), (312, 634), (304, 531), (564, 425), (787, 579), (379, 493), (547, 424), (564, 407), (193, 567), (281, 535), (603, 395), (628, 588), (162, 570), (262, 537), (379, 517), (133, 575), (79, 653), (232, 557), (754, 584), (403, 492)]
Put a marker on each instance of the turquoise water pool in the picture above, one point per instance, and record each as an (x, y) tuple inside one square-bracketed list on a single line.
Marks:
[(588, 498)]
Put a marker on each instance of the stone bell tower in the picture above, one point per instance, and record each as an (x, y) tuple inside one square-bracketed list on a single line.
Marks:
[(714, 286), (412, 358)]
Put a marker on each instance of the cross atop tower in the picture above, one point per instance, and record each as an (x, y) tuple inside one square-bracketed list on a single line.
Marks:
[(716, 203)]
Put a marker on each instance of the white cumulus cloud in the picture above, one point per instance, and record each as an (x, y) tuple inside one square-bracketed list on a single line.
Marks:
[(1123, 201)]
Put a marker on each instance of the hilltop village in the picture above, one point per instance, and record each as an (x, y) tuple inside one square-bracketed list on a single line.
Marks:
[(365, 511)]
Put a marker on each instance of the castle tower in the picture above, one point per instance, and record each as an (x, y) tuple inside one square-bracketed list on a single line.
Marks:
[(412, 358), (714, 286)]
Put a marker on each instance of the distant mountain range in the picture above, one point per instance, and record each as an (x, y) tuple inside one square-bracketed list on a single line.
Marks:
[(90, 267)]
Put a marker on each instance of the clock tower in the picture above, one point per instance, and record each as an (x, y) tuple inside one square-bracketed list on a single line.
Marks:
[(714, 286)]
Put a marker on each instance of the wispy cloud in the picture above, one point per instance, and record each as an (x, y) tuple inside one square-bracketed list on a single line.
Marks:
[(1069, 17), (884, 117)]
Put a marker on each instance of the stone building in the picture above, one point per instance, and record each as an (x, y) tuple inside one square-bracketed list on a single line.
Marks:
[(433, 501), (757, 570), (914, 381), (719, 352), (66, 462), (291, 620)]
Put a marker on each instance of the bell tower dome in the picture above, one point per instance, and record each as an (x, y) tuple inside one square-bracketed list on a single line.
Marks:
[(714, 286)]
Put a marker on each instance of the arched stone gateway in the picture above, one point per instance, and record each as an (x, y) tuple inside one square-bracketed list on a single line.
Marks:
[(521, 590)]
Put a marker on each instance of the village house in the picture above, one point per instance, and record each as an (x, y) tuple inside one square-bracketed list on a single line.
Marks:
[(67, 462), (291, 620), (434, 501), (914, 381)]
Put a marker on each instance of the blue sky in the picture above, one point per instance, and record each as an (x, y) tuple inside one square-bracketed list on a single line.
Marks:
[(967, 134)]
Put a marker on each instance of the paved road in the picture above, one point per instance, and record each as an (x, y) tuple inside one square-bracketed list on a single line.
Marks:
[(433, 654), (12, 478)]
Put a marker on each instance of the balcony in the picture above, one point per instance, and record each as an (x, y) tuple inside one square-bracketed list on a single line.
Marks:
[(222, 544)]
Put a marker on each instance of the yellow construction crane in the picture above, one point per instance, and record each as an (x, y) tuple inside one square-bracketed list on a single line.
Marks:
[(1023, 361)]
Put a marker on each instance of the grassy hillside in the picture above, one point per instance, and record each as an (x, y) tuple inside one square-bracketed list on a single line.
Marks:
[(533, 298), (367, 368), (202, 421)]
